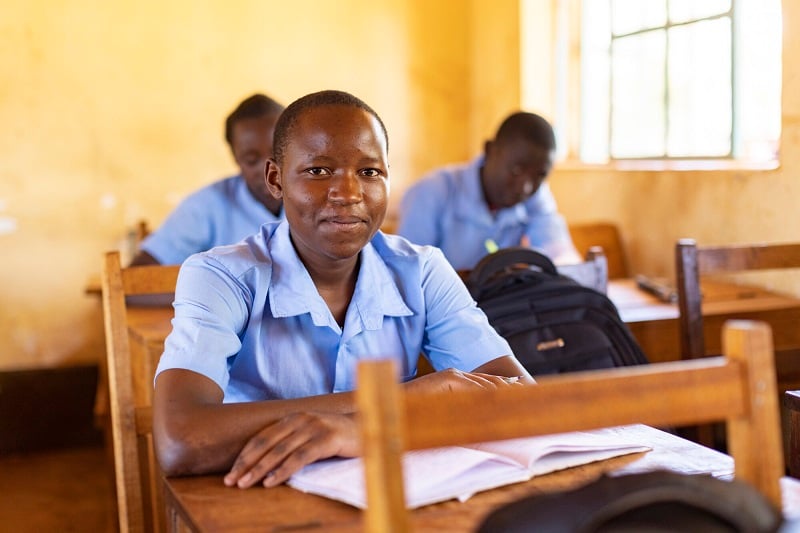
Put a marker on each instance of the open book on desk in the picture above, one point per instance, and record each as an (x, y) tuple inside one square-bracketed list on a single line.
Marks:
[(440, 474)]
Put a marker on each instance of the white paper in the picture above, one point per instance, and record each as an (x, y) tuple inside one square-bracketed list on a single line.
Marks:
[(458, 472)]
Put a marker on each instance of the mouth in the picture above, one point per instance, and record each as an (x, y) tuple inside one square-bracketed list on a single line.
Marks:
[(345, 222)]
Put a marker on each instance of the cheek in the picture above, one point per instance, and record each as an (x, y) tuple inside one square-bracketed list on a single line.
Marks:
[(378, 195)]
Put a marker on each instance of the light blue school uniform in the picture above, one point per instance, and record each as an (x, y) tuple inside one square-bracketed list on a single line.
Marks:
[(447, 209), (224, 212), (249, 317)]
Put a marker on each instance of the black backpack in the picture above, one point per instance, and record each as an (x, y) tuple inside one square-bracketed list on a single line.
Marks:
[(653, 502), (552, 323)]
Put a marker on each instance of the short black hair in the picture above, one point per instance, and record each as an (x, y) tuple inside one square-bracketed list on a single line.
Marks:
[(288, 118), (528, 126), (255, 106)]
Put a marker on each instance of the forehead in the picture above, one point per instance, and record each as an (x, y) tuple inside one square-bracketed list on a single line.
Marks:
[(342, 126)]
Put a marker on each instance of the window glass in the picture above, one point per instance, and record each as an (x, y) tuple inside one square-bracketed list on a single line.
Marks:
[(677, 79), (700, 99), (638, 117), (686, 10), (628, 16)]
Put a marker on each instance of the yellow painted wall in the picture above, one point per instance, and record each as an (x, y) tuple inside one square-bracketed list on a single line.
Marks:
[(113, 111)]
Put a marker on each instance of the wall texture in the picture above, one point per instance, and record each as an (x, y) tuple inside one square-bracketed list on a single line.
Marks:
[(113, 111)]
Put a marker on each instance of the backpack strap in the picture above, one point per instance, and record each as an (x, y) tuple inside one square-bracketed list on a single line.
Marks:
[(504, 258)]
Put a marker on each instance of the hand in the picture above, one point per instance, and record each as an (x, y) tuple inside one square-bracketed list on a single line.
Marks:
[(285, 446), (452, 379)]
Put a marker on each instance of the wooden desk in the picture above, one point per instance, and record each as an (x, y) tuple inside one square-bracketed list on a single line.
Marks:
[(203, 503), (655, 323)]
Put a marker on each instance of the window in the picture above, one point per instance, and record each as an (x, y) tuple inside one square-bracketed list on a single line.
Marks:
[(674, 79)]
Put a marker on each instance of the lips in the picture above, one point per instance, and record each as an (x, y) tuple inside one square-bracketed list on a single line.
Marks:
[(344, 221)]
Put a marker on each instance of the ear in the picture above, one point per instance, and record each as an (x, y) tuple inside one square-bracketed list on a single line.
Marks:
[(274, 179)]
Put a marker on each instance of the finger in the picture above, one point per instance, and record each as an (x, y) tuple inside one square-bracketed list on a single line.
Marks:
[(491, 381), (255, 449), (312, 450), (328, 437)]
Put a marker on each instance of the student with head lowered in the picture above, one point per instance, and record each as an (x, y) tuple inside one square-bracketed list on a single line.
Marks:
[(499, 199)]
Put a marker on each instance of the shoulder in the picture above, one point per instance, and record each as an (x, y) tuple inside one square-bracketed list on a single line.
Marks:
[(439, 184), (241, 260), (220, 190), (401, 254)]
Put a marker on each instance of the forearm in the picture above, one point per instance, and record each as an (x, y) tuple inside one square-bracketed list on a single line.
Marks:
[(508, 366), (196, 433)]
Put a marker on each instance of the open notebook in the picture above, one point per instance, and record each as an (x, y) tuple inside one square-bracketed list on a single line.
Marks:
[(440, 474)]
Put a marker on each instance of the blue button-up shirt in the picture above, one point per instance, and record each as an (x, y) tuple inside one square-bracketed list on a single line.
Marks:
[(224, 212), (447, 209), (249, 317)]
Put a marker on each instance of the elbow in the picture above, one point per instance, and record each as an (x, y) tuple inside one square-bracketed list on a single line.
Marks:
[(174, 453), (174, 456), (178, 448)]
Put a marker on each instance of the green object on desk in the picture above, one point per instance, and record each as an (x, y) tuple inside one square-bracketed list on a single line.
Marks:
[(491, 246)]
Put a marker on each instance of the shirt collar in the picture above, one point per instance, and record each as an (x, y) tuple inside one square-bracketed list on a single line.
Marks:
[(292, 292)]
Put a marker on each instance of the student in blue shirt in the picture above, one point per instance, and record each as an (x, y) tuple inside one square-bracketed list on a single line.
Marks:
[(230, 209), (257, 375), (499, 199)]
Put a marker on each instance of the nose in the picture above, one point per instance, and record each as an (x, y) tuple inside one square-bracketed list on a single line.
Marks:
[(345, 188)]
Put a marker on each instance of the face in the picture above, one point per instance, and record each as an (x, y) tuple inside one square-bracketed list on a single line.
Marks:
[(334, 182), (252, 145), (514, 170)]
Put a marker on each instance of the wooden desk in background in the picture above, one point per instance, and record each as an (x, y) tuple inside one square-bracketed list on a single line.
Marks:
[(203, 503), (655, 323)]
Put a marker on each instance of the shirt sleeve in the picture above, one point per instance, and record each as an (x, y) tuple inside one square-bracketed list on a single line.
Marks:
[(186, 231), (457, 332), (211, 311)]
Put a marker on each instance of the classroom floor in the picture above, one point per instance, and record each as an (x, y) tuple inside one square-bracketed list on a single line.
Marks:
[(56, 490)]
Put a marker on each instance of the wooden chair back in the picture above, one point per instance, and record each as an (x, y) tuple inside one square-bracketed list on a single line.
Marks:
[(738, 388), (138, 490), (693, 262), (607, 236)]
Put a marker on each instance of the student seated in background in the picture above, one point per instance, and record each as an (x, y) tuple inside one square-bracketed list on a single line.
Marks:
[(256, 376), (230, 209), (499, 199)]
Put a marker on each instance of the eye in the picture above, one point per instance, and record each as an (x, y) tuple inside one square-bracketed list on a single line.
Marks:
[(318, 171), (371, 173)]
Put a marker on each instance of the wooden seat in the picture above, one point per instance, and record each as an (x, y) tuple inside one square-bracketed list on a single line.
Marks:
[(129, 386), (692, 262), (605, 235), (738, 389)]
